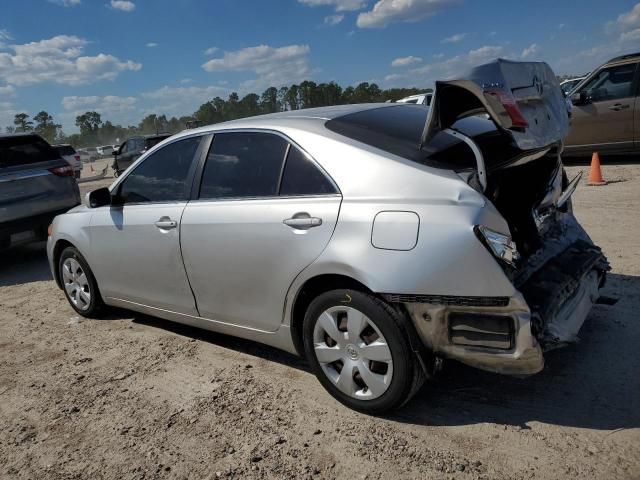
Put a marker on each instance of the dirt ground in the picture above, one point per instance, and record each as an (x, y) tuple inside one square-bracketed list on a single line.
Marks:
[(135, 397)]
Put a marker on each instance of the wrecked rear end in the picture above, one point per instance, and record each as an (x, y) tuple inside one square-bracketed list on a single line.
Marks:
[(501, 129)]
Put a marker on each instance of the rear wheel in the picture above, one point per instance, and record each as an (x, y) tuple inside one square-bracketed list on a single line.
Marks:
[(79, 284), (359, 351)]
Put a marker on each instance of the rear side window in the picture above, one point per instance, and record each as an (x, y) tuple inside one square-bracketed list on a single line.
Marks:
[(303, 177), (163, 176), (24, 150), (243, 164), (396, 129), (65, 150)]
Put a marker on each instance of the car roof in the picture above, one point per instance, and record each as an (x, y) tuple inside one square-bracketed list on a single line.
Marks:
[(630, 57), (19, 134), (308, 119)]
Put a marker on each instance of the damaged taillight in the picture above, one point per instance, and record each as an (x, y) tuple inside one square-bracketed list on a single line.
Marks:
[(510, 106)]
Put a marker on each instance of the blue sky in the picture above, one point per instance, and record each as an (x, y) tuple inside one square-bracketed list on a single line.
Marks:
[(129, 58)]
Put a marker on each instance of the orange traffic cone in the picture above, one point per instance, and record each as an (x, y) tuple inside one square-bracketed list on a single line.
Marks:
[(595, 174)]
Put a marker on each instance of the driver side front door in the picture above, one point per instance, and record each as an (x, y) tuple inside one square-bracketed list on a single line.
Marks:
[(135, 246)]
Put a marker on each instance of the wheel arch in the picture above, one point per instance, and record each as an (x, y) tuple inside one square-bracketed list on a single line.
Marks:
[(309, 290), (58, 248), (325, 282)]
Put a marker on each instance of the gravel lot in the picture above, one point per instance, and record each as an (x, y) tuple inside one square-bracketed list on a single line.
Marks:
[(135, 397)]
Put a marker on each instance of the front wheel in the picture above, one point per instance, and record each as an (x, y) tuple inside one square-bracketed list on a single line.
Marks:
[(79, 284), (359, 350)]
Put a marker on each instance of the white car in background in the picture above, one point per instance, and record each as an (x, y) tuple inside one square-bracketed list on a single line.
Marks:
[(105, 150), (570, 84), (420, 99)]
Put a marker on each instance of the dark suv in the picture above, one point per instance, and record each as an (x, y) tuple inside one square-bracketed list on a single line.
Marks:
[(36, 184), (132, 148)]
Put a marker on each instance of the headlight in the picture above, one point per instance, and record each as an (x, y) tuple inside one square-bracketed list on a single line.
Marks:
[(501, 245)]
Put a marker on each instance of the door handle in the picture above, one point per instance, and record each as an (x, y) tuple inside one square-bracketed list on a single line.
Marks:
[(165, 223), (302, 221), (618, 106)]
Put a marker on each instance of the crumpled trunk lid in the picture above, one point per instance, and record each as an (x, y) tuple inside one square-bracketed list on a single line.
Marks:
[(523, 99)]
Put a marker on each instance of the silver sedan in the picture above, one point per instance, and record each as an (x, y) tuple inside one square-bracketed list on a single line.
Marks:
[(375, 240)]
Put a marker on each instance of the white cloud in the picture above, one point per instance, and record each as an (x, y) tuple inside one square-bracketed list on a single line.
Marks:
[(4, 35), (333, 19), (458, 65), (118, 110), (530, 51), (185, 81), (627, 28), (438, 56), (273, 65), (211, 51), (124, 5), (457, 38), (626, 21), (389, 11), (152, 45), (178, 101), (405, 61), (339, 5), (66, 3), (104, 105), (631, 36), (59, 59), (393, 77), (7, 91)]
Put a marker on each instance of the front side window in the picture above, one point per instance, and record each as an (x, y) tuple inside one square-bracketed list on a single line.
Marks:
[(611, 83), (163, 176), (302, 176), (243, 164)]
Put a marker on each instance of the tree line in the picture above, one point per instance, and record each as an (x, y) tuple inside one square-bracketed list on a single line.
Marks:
[(94, 130)]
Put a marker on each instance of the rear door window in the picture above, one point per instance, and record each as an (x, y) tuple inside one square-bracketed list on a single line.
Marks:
[(303, 177), (163, 176), (24, 150), (242, 165), (65, 150)]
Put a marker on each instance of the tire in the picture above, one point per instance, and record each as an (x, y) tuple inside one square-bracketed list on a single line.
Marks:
[(79, 285), (380, 379)]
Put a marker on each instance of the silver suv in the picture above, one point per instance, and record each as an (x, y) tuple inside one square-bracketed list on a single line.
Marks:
[(375, 239), (36, 184)]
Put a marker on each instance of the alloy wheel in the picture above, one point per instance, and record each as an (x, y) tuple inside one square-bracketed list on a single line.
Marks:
[(353, 353), (76, 284)]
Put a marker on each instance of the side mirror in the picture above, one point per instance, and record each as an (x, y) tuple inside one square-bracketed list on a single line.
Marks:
[(580, 98), (114, 153), (99, 198)]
